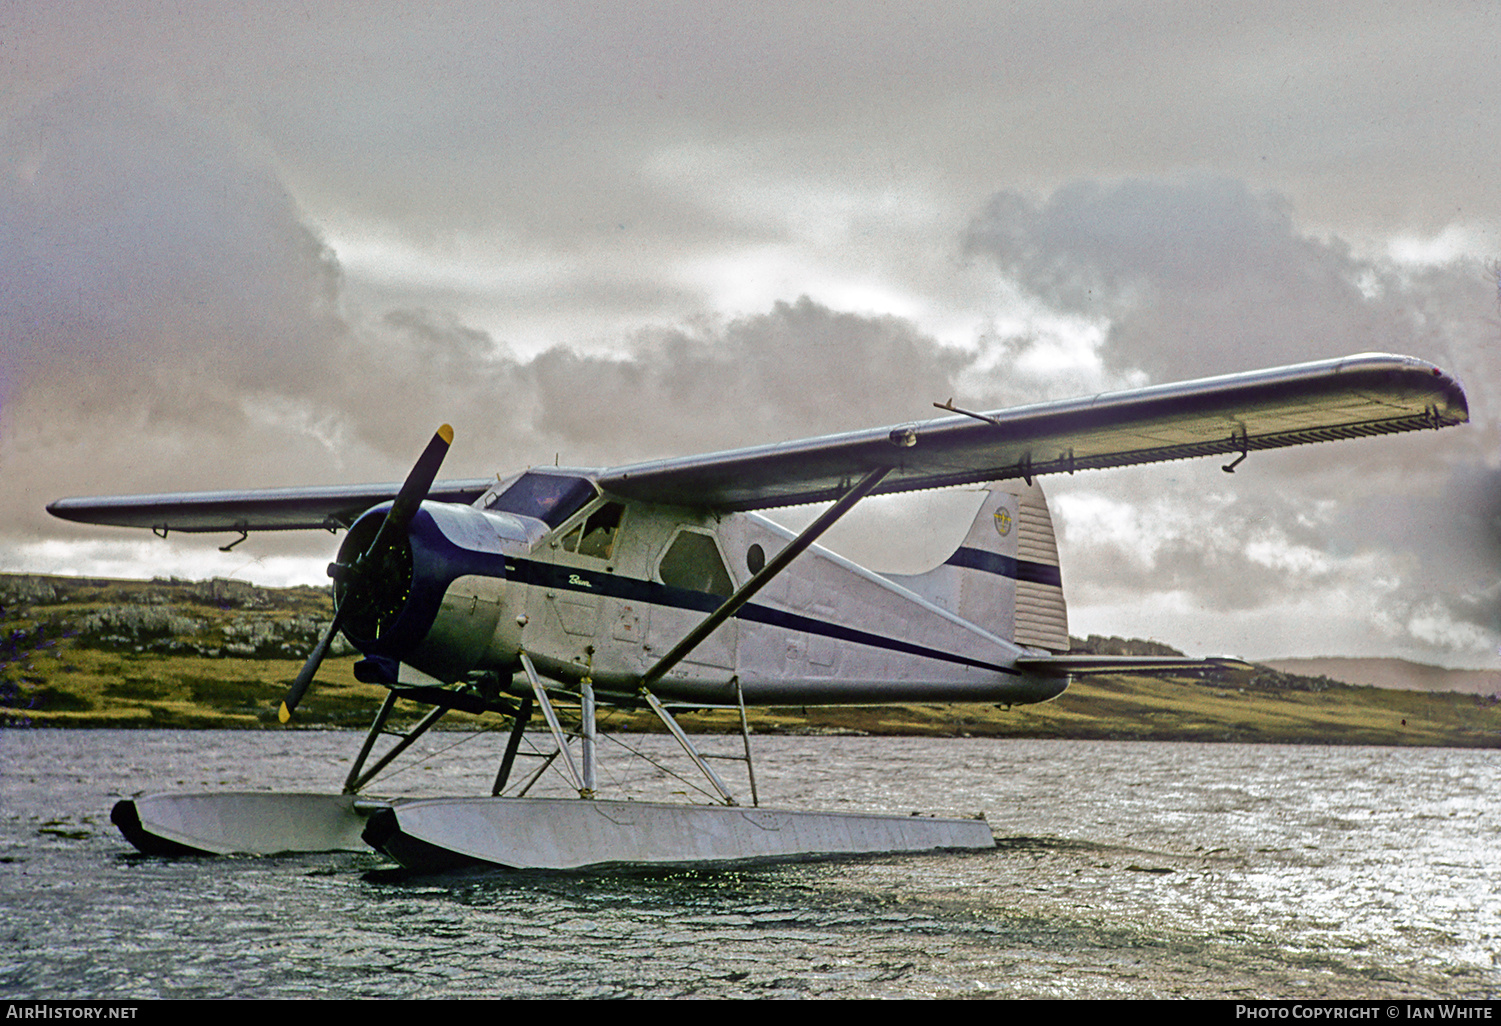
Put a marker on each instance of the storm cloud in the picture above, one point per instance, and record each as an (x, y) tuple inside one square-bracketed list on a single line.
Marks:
[(1205, 272), (279, 247)]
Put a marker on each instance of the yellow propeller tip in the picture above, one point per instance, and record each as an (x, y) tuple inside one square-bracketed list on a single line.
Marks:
[(284, 714), (446, 433)]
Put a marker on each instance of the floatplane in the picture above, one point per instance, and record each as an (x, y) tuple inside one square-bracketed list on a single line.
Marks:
[(660, 585)]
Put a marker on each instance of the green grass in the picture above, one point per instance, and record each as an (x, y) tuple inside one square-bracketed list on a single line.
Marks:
[(49, 677), (102, 689)]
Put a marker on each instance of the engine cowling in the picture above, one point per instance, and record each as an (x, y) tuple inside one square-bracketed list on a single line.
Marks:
[(438, 598)]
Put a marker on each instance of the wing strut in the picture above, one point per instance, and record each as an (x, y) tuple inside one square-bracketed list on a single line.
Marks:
[(776, 565)]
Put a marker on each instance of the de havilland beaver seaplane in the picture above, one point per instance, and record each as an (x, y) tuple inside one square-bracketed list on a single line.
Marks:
[(660, 585)]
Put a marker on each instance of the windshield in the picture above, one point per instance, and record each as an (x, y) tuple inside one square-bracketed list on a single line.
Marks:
[(551, 498)]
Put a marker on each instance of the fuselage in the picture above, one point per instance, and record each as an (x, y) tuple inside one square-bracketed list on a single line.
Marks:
[(588, 585)]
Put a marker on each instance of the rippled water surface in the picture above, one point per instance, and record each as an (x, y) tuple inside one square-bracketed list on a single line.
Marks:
[(1121, 870)]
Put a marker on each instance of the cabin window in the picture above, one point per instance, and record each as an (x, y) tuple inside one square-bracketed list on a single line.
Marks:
[(596, 535), (551, 498), (693, 562), (755, 559)]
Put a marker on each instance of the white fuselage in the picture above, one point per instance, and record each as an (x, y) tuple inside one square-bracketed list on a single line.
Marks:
[(608, 602)]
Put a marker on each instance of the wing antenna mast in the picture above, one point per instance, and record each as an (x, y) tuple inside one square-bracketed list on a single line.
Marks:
[(1026, 464), (968, 413)]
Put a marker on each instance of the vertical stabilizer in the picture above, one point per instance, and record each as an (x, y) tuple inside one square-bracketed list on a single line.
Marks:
[(1004, 577)]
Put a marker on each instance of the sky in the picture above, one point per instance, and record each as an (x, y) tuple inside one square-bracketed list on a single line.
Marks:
[(262, 244)]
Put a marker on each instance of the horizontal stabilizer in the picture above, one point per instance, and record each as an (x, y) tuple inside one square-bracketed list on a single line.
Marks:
[(1099, 665)]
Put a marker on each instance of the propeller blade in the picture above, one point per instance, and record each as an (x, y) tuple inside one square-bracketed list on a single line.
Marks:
[(408, 501), (414, 489), (310, 668)]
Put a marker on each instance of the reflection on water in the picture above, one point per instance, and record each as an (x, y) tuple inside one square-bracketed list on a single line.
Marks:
[(1121, 869)]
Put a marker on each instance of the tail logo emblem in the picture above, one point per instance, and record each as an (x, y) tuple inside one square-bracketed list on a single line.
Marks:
[(1003, 521)]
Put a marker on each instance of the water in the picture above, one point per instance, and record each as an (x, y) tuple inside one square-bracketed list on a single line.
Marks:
[(1121, 870)]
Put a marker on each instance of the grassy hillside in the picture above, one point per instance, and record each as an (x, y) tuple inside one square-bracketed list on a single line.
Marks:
[(167, 653)]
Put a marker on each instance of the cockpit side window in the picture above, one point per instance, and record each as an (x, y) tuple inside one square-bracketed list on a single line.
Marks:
[(693, 562), (551, 498), (596, 536)]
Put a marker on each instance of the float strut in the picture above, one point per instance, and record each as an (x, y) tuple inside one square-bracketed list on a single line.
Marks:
[(353, 784), (693, 753), (523, 716), (586, 716), (376, 726), (549, 714), (750, 766)]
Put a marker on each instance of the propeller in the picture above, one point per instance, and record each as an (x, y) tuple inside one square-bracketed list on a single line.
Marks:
[(359, 574)]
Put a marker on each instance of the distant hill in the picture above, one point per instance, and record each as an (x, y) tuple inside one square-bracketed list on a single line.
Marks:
[(169, 653), (1393, 673)]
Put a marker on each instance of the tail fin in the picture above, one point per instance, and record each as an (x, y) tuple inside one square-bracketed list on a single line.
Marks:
[(1004, 577)]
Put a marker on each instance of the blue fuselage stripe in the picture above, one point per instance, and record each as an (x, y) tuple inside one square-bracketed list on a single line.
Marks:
[(1006, 566), (564, 578)]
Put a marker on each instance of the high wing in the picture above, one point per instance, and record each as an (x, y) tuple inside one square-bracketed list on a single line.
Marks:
[(265, 509), (1369, 394)]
